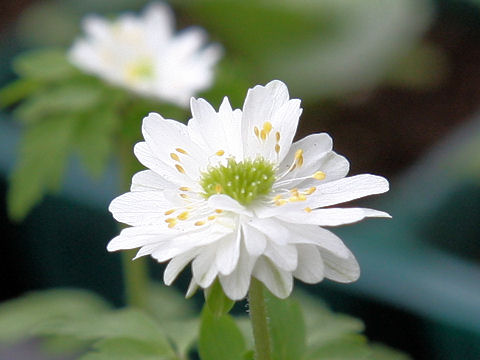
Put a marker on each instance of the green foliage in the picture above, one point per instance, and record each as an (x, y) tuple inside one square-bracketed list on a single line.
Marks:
[(20, 318), (220, 338), (218, 303), (43, 65), (287, 328)]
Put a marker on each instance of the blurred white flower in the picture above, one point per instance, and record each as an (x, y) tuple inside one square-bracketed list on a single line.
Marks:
[(143, 54), (230, 193)]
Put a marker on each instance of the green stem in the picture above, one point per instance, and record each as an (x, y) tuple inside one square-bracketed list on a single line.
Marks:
[(258, 317), (135, 274)]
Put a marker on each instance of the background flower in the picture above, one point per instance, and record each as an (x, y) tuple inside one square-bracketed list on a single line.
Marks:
[(231, 193), (143, 53)]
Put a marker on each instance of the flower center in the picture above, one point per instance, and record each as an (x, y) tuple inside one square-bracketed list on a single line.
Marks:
[(140, 69), (243, 181)]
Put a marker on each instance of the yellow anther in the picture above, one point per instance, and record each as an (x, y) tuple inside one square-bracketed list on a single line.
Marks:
[(267, 127), (319, 175), (174, 156), (199, 223), (256, 131), (212, 217), (169, 212), (280, 202), (172, 224), (277, 148), (294, 190), (220, 153), (307, 209), (263, 134), (218, 188), (277, 197), (300, 161), (184, 188), (218, 211), (180, 169), (185, 196), (170, 220), (298, 154), (310, 191), (296, 198), (277, 136), (181, 151), (183, 215)]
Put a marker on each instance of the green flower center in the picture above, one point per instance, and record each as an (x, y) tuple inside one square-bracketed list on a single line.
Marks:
[(243, 181)]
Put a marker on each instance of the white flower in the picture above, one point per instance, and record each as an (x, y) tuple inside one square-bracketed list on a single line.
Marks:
[(230, 193), (143, 54)]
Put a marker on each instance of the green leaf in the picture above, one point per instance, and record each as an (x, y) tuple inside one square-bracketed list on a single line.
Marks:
[(127, 349), (126, 323), (47, 64), (20, 316), (218, 303), (16, 91), (65, 98), (42, 158), (220, 338), (287, 328), (94, 137), (183, 334), (169, 304), (352, 347)]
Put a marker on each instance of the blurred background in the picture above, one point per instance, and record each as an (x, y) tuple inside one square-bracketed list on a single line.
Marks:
[(396, 84)]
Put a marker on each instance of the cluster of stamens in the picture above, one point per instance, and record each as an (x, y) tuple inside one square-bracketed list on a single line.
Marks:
[(186, 214), (263, 134)]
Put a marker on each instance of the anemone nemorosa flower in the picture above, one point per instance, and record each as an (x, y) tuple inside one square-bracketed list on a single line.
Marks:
[(143, 54), (231, 194)]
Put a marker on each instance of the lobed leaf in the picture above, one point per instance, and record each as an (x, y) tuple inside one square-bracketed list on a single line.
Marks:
[(220, 338)]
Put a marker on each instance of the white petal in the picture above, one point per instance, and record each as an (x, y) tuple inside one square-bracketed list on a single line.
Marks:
[(237, 283), (315, 235), (225, 202), (310, 264), (255, 241), (278, 281), (192, 289), (165, 136), (272, 229), (176, 265), (331, 217), (204, 268), (134, 237), (347, 189), (340, 269), (228, 252), (148, 180), (140, 208), (283, 256)]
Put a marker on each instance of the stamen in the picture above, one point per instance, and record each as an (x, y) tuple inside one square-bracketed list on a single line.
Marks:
[(218, 211), (277, 197), (172, 224), (170, 220), (280, 202), (256, 131), (184, 188), (218, 188), (180, 168), (263, 135), (169, 212), (220, 153), (181, 151), (199, 223), (267, 127), (307, 209), (319, 175), (185, 196), (183, 215), (277, 136), (212, 217), (277, 148), (310, 191), (174, 156)]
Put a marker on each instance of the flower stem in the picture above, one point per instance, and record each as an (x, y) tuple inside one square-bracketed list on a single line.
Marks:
[(135, 277), (258, 317)]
